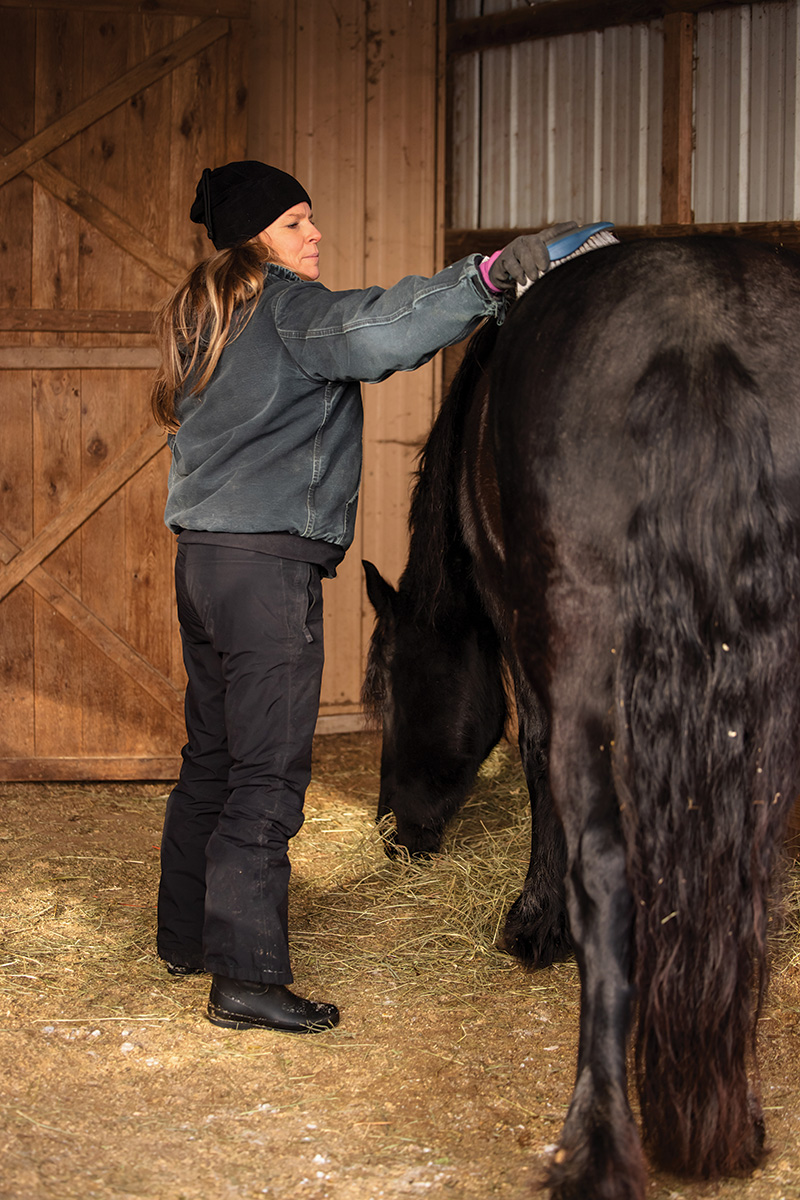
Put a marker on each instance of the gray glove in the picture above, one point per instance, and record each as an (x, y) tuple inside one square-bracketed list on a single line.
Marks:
[(526, 257)]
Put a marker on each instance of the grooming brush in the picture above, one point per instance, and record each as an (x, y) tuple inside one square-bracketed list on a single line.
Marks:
[(577, 241)]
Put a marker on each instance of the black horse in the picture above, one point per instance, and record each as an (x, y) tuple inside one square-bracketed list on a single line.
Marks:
[(608, 509)]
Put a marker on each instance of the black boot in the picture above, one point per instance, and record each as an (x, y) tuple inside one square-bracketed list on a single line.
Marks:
[(235, 1004), (179, 969)]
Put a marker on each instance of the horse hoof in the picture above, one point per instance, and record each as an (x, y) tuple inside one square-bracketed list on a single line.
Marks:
[(536, 945)]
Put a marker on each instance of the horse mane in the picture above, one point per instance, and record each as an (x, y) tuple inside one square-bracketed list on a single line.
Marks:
[(439, 565)]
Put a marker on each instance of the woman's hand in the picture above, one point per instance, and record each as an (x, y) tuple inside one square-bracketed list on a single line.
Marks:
[(526, 258)]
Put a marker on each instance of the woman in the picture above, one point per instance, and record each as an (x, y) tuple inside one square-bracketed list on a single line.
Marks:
[(259, 390)]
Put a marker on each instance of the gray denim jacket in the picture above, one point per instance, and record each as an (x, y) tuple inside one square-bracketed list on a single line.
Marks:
[(273, 443)]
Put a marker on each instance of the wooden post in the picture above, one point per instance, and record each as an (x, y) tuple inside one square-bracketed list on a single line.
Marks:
[(676, 168)]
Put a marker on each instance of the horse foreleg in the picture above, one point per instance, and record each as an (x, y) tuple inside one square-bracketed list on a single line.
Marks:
[(599, 1154), (536, 929)]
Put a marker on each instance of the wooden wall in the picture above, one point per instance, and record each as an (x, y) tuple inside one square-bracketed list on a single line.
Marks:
[(107, 115), (109, 110), (350, 103)]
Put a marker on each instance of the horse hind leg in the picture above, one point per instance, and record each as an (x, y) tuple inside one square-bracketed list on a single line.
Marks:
[(599, 1155), (536, 929)]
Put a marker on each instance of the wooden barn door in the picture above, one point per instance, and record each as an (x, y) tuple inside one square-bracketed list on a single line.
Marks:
[(108, 113)]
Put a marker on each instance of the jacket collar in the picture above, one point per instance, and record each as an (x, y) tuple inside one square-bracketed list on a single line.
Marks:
[(283, 273)]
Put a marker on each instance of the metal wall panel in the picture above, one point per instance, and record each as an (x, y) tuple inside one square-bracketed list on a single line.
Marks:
[(572, 126), (746, 114), (568, 127)]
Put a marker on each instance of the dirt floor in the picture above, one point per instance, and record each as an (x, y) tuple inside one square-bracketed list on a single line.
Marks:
[(448, 1076)]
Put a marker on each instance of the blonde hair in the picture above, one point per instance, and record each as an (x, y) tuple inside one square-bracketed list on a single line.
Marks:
[(193, 326)]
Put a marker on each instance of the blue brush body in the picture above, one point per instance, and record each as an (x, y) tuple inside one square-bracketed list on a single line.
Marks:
[(575, 240)]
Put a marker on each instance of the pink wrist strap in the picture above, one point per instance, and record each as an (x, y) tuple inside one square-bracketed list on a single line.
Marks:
[(484, 266)]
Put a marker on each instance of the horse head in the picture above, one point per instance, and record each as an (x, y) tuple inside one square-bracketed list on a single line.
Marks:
[(435, 686)]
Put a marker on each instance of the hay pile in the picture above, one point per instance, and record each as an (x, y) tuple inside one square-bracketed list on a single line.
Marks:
[(73, 917), (452, 1068), (442, 915)]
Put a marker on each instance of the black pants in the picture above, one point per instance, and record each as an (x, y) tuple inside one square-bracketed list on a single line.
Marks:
[(251, 626)]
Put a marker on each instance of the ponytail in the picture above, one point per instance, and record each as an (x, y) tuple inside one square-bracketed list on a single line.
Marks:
[(194, 324)]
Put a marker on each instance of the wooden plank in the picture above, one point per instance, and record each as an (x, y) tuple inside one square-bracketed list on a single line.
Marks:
[(270, 107), (16, 613), (102, 168), (17, 29), (83, 320), (17, 728), (149, 567), (402, 121), (77, 358), (105, 581), (329, 114), (327, 107), (16, 222), (56, 408), (151, 136), (163, 149), (352, 721), (63, 767), (443, 134), (54, 259), (460, 242), (116, 93), (236, 9), (57, 683), (678, 119), (559, 17), (16, 465), (81, 507), (56, 475), (113, 647), (17, 79), (55, 395), (236, 71), (195, 107)]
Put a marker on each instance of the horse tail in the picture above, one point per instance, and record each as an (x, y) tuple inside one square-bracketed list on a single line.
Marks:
[(707, 725)]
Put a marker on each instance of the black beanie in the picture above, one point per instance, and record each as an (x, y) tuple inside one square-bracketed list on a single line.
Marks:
[(237, 201)]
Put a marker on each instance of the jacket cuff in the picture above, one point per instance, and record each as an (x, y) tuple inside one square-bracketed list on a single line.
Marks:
[(497, 303), (485, 267)]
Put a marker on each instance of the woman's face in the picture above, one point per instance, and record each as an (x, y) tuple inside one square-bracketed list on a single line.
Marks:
[(295, 240)]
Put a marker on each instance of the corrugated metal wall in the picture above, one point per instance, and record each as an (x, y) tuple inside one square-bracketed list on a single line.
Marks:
[(572, 126), (746, 165), (566, 127)]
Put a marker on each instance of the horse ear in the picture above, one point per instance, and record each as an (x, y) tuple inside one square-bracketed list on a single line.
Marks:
[(381, 593)]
